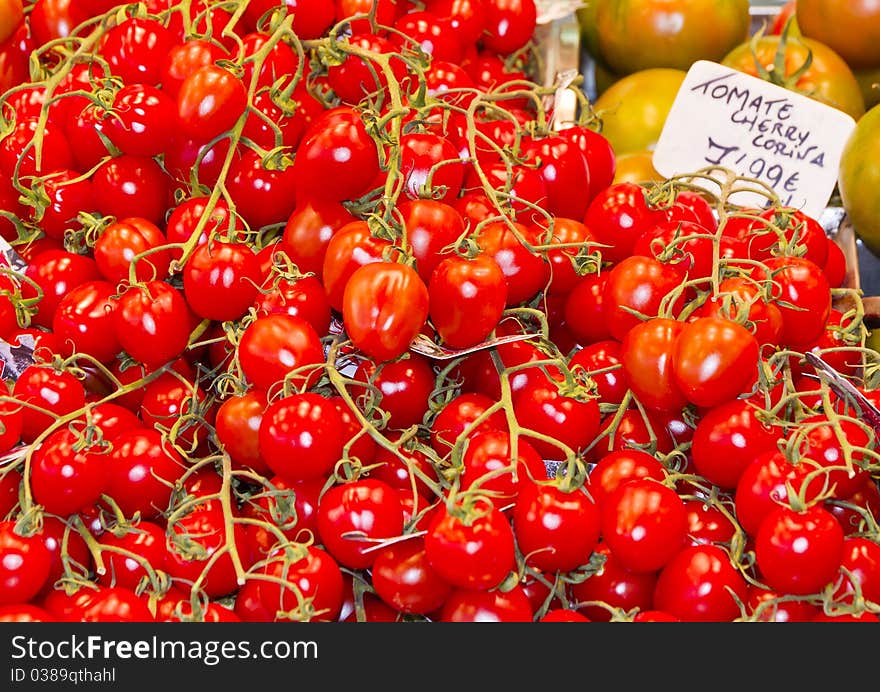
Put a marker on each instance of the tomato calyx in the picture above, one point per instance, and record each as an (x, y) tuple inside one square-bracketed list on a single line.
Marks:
[(778, 73)]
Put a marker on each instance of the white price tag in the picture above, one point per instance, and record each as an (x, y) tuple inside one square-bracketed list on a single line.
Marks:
[(726, 118)]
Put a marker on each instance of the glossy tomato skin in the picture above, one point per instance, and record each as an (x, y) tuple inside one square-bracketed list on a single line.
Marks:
[(152, 323), (799, 552), (431, 228), (603, 355), (274, 346), (565, 174), (238, 425), (364, 506), (646, 34), (714, 360), (336, 147), (56, 272), (205, 526), (848, 28), (84, 320), (526, 272), (572, 421), (308, 231), (120, 245), (647, 363), (763, 486), (404, 387), (129, 185), (146, 545), (403, 578), (491, 451), (57, 393), (471, 554), (310, 17), (459, 417), (385, 305), (349, 248), (144, 121), (861, 560), (767, 606), (614, 586), (64, 479), (726, 441), (314, 575), (644, 524), (584, 310), (431, 166), (616, 468), (802, 285), (509, 24), (466, 605), (185, 59), (556, 530), (142, 470), (301, 436), (25, 565), (262, 196), (134, 49), (220, 280), (699, 584), (466, 299), (640, 284)]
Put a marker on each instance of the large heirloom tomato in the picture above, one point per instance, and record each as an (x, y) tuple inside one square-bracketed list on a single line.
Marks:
[(810, 67), (637, 35), (634, 109), (849, 27), (860, 176)]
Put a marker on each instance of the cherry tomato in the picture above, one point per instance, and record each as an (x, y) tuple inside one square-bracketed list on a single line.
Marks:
[(301, 437), (351, 512), (127, 186), (557, 531), (509, 24), (152, 323), (489, 464), (467, 605), (385, 305), (336, 147), (316, 586), (404, 387), (474, 552), (274, 346), (714, 360), (616, 468), (24, 567), (613, 587), (467, 299), (640, 284), (644, 524), (142, 470), (221, 280), (727, 439), (799, 552), (700, 584)]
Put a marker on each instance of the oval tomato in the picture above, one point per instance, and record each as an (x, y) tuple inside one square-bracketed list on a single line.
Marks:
[(385, 305)]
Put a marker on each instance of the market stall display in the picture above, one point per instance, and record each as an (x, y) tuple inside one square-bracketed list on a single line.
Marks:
[(366, 311)]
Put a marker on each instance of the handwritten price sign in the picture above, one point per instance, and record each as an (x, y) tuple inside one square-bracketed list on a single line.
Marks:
[(725, 118)]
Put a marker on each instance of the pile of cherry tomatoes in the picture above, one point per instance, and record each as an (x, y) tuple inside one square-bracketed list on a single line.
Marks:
[(254, 254)]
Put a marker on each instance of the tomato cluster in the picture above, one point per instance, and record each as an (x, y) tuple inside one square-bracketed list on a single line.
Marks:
[(264, 253)]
